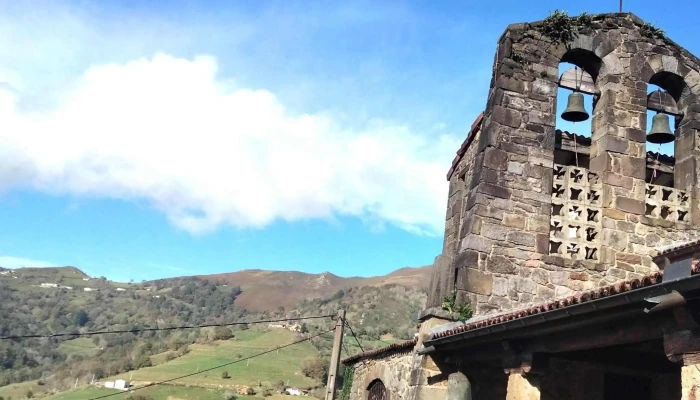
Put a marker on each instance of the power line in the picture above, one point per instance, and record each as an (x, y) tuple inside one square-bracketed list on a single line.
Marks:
[(162, 329), (219, 366), (355, 336)]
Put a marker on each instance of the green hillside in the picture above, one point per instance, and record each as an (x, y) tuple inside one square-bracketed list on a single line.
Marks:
[(379, 315), (283, 365)]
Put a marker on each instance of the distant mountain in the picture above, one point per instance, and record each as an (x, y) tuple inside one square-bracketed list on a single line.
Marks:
[(268, 290)]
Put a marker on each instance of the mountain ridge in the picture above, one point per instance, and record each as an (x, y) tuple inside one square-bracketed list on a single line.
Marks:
[(267, 290), (264, 290)]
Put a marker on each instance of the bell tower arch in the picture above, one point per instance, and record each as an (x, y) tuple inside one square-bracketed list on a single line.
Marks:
[(525, 227)]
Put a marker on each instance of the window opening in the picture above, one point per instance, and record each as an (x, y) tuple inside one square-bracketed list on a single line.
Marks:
[(660, 162), (574, 97), (377, 391)]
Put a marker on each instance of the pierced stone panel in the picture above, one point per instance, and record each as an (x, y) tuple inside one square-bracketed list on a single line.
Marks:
[(667, 203), (575, 223)]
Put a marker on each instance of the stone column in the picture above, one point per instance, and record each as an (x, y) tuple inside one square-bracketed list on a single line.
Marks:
[(521, 387), (687, 152), (458, 387), (690, 382), (618, 156)]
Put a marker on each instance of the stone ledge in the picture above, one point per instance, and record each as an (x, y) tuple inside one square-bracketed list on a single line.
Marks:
[(435, 312)]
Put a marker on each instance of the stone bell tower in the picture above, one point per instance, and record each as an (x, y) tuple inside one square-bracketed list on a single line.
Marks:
[(535, 213)]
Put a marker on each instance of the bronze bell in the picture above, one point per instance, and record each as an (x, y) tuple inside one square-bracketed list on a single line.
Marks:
[(660, 131), (575, 112)]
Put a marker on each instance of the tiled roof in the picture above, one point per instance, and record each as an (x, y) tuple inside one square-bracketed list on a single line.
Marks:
[(606, 291), (678, 247), (381, 351), (465, 145), (586, 141), (583, 140)]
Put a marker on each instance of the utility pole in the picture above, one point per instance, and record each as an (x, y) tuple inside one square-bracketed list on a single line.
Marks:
[(335, 355)]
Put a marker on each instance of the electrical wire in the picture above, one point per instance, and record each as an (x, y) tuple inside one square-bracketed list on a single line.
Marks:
[(355, 336), (213, 368), (162, 329)]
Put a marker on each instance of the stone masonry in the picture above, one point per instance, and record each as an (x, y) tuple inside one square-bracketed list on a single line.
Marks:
[(521, 229)]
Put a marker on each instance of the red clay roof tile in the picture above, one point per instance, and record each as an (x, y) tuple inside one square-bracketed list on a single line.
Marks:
[(381, 351)]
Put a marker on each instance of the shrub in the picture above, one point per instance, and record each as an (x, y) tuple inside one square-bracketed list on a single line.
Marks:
[(225, 375), (315, 368), (229, 396), (222, 333)]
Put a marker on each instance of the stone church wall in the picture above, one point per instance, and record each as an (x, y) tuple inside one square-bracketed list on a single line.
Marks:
[(521, 229)]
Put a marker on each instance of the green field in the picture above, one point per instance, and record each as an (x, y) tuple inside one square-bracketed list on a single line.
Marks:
[(81, 346), (280, 365), (161, 392), (18, 391)]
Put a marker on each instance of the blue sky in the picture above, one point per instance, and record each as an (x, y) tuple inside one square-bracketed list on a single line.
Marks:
[(145, 140)]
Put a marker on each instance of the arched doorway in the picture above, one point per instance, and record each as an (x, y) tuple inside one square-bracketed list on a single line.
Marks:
[(377, 391)]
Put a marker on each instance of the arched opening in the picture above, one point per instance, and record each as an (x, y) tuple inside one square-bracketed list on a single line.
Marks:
[(660, 160), (576, 192), (666, 197), (377, 391), (578, 71)]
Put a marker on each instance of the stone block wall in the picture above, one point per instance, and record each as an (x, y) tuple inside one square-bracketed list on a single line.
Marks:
[(504, 258), (394, 371), (460, 176)]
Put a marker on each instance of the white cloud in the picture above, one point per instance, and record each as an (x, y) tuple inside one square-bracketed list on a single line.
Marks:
[(209, 154), (20, 262)]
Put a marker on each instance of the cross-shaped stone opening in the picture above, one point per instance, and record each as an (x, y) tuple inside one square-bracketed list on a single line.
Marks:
[(592, 215), (591, 234), (554, 247), (591, 253), (666, 194), (665, 212), (575, 194)]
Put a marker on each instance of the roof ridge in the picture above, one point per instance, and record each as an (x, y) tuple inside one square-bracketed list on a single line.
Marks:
[(381, 350)]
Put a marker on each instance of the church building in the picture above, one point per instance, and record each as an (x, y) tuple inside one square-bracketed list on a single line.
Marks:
[(570, 265)]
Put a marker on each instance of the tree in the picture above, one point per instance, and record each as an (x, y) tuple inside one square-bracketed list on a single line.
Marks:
[(81, 318), (30, 394), (222, 333), (225, 375), (279, 386), (315, 368), (304, 328)]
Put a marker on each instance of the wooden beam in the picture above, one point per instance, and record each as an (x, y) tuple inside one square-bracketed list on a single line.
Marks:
[(624, 332), (633, 361), (661, 101), (576, 78)]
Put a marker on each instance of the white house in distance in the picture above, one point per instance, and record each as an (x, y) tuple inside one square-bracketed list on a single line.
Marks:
[(87, 289), (121, 384), (293, 391), (49, 285)]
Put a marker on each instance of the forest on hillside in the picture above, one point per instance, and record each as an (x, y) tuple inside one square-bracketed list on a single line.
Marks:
[(28, 310)]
